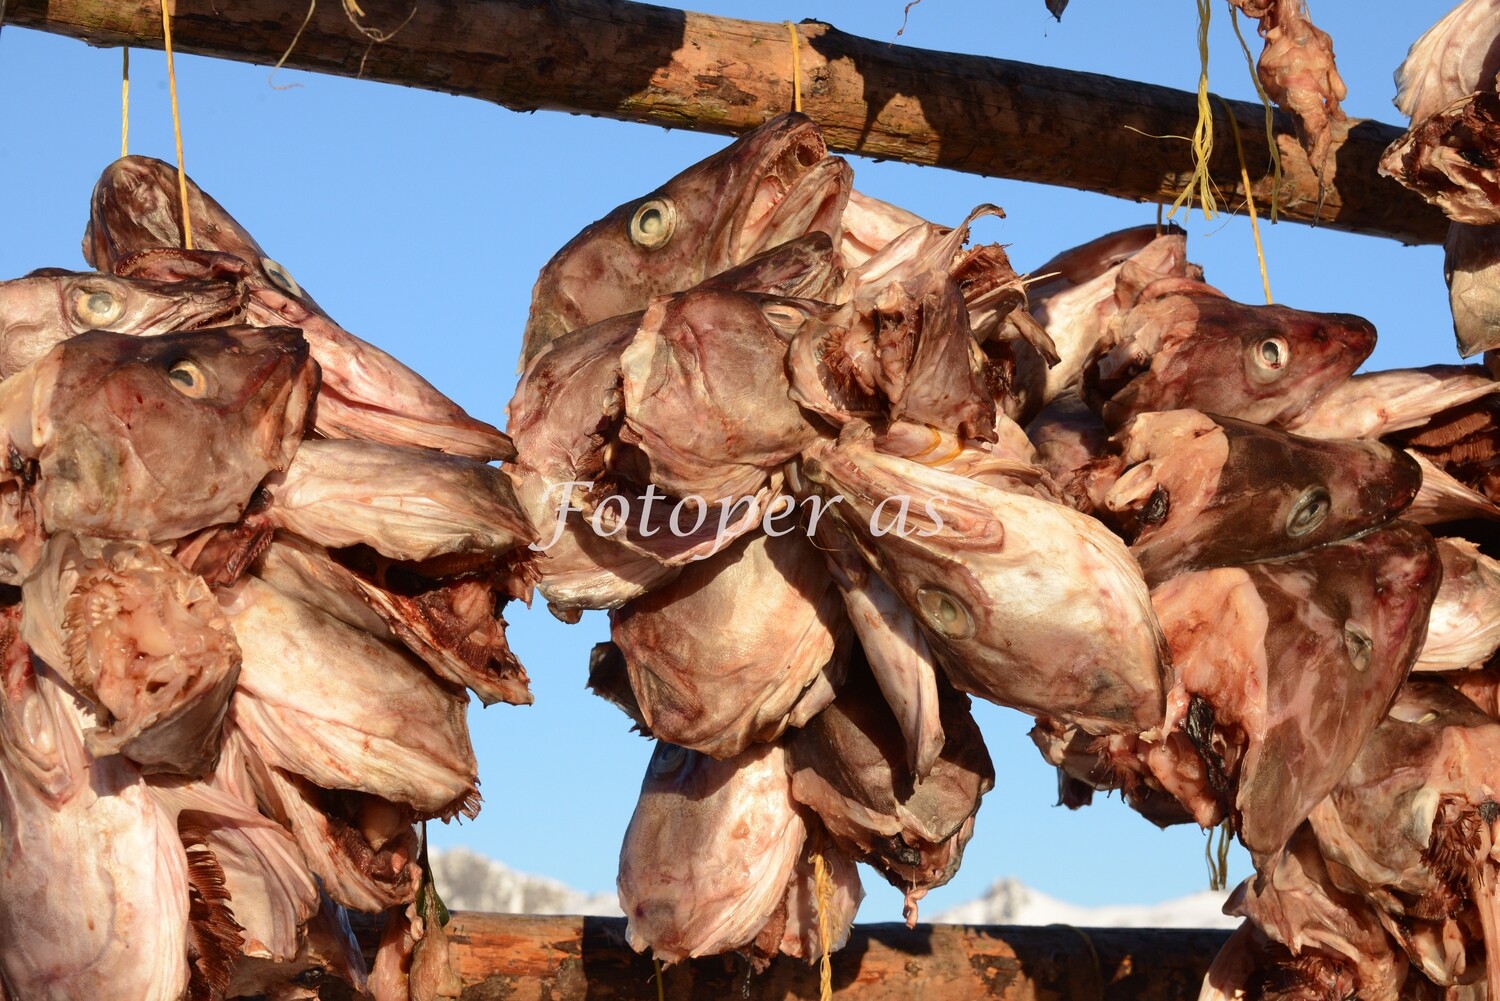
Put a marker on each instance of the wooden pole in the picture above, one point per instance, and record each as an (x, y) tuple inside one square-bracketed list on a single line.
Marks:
[(678, 69), (529, 958)]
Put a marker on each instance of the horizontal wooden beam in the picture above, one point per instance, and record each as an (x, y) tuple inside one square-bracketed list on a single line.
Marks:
[(678, 69), (514, 957)]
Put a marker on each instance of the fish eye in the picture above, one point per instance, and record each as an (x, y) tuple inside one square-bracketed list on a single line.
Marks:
[(1404, 713), (280, 277), (1359, 646), (944, 613), (667, 759), (1269, 356), (188, 378), (97, 307), (1309, 511), (652, 225), (1158, 506), (311, 977)]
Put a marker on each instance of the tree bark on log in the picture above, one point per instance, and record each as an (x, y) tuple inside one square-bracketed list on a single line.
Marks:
[(678, 69), (518, 957)]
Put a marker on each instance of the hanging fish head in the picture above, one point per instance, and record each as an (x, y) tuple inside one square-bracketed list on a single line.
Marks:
[(48, 306), (1198, 350), (160, 436), (137, 206), (772, 185), (1027, 602)]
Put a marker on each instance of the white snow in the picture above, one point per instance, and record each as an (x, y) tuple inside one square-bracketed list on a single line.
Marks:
[(471, 882)]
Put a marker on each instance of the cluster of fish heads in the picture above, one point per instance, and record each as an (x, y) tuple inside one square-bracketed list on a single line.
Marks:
[(250, 568), (834, 472)]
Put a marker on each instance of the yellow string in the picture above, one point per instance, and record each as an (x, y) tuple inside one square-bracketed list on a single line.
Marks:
[(1203, 132), (661, 990), (125, 103), (1260, 254), (1265, 100), (1093, 953), (796, 68), (166, 34), (823, 894)]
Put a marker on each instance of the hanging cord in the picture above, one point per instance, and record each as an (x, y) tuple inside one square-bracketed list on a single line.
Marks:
[(1260, 254), (1218, 861), (823, 895), (661, 990), (1203, 132), (791, 29), (166, 34), (1265, 100), (125, 102)]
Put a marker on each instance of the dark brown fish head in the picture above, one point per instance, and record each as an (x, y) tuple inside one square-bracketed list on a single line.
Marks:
[(40, 310), (1272, 494), (1264, 364), (136, 207), (160, 436), (772, 185)]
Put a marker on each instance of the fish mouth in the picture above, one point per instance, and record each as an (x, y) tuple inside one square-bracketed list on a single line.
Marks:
[(798, 188)]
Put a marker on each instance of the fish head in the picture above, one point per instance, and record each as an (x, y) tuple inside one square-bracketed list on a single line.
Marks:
[(137, 206), (1027, 603), (1244, 492), (159, 436), (1264, 364), (42, 309), (771, 185), (1345, 623)]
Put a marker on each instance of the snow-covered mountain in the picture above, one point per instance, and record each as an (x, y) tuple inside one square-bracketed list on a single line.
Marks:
[(471, 882), (1011, 902)]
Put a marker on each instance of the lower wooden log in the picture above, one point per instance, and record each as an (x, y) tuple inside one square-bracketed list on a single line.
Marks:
[(531, 958)]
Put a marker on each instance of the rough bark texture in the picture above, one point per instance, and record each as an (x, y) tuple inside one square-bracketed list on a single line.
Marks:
[(683, 70), (526, 958)]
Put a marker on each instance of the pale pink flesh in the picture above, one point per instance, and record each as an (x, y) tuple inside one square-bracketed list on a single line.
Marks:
[(1452, 59), (1378, 403)]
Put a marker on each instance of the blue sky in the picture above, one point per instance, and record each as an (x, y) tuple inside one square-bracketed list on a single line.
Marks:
[(419, 221)]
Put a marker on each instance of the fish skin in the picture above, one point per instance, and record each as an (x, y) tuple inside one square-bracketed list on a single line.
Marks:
[(566, 407), (800, 937), (144, 641), (379, 726), (106, 414), (41, 312), (1304, 937), (1448, 159), (366, 393), (868, 224), (1463, 629), (1078, 303), (1201, 491), (1375, 404), (1471, 266), (454, 626), (120, 929), (709, 851), (706, 399), (1405, 826), (849, 768), (716, 691), (328, 948), (1297, 71), (1185, 350), (722, 218), (406, 503), (1452, 59), (271, 894), (1295, 661), (997, 638)]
